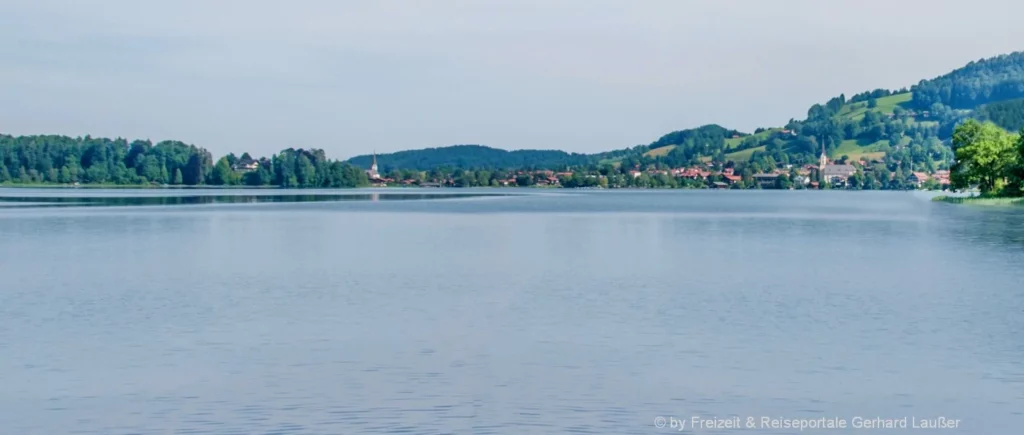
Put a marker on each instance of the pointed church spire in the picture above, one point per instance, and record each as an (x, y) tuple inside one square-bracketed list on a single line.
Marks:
[(372, 173), (822, 162)]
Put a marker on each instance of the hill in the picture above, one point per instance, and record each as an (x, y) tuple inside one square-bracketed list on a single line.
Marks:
[(987, 80), (885, 126), (481, 157)]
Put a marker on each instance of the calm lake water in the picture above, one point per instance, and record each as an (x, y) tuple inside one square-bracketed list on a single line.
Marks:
[(539, 312)]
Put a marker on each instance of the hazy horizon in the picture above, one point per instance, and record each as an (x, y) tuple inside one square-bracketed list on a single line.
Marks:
[(357, 76)]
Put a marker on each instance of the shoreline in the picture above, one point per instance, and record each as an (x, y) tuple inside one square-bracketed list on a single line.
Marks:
[(981, 201)]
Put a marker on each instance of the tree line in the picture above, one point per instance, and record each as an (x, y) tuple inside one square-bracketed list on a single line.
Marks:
[(87, 160)]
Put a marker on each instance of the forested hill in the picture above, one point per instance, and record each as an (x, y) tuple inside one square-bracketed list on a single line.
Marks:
[(695, 142), (994, 79), (883, 126), (480, 157)]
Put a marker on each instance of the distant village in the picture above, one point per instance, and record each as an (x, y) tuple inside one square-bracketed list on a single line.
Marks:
[(826, 174)]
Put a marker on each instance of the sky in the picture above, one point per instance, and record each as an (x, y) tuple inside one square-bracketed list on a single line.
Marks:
[(354, 76)]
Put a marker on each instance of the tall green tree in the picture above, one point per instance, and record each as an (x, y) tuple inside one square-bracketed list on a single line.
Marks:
[(222, 173), (984, 156)]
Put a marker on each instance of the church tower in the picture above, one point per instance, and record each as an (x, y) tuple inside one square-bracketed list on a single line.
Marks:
[(822, 162), (372, 173)]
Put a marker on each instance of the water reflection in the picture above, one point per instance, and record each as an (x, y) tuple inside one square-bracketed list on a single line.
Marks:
[(105, 201)]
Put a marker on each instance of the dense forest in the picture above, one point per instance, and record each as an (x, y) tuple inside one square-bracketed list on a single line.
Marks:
[(1006, 114), (994, 79), (88, 160)]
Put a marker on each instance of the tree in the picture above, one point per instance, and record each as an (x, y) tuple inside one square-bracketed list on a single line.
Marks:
[(305, 172), (1016, 177), (177, 176), (222, 172), (783, 182), (984, 155)]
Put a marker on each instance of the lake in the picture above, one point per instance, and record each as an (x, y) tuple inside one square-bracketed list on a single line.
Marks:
[(503, 311)]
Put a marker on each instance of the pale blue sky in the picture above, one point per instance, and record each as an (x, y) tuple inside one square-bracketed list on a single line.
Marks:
[(353, 76)]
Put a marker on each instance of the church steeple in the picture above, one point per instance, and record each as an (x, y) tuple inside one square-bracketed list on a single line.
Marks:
[(822, 162), (372, 173)]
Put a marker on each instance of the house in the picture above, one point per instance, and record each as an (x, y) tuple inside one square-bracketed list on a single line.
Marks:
[(720, 185), (689, 173), (635, 174), (918, 178), (730, 178), (801, 179), (246, 165), (766, 180)]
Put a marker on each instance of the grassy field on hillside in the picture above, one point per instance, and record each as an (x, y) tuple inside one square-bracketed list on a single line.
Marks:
[(660, 152), (734, 142), (886, 105), (858, 150), (742, 156)]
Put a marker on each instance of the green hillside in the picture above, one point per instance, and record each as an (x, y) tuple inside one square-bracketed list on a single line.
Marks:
[(733, 142), (742, 156), (889, 126), (860, 150), (660, 152), (885, 105)]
